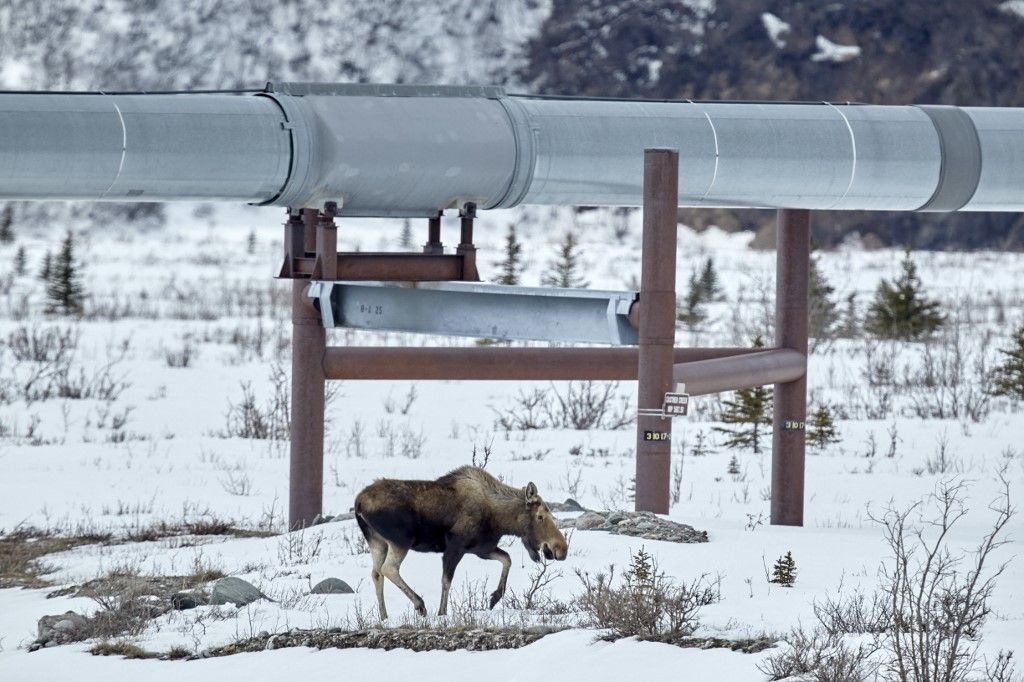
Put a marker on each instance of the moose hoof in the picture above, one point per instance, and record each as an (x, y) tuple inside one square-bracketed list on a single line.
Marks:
[(421, 610), (495, 598)]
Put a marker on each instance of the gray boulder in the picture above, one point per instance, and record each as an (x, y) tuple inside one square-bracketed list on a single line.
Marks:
[(182, 601), (332, 586), (59, 629), (234, 591), (589, 521)]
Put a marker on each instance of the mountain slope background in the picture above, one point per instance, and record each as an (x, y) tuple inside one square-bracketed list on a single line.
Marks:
[(875, 51)]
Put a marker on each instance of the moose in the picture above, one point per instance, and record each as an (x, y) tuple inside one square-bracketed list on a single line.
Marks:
[(467, 511)]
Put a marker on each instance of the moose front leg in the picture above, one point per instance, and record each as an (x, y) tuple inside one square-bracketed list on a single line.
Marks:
[(452, 557), (506, 563)]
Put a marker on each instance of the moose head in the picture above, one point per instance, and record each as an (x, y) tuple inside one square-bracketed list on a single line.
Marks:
[(541, 533)]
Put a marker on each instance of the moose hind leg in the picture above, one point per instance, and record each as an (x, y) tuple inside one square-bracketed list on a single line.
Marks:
[(449, 561), (379, 552), (392, 562), (506, 563)]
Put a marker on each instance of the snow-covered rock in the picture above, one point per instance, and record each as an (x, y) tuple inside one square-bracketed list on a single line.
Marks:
[(1015, 7), (833, 52), (775, 27)]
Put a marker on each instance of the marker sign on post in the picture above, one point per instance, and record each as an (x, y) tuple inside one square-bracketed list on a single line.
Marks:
[(676, 404)]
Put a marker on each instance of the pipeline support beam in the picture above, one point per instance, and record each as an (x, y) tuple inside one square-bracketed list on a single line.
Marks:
[(355, 363), (309, 343), (657, 328), (779, 365), (793, 244)]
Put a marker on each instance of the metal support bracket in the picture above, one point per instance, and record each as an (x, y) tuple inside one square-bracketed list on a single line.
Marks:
[(492, 311)]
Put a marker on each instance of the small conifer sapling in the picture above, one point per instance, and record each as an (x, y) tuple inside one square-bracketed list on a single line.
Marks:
[(64, 290), (821, 428), (511, 266), (1008, 376), (784, 571), (900, 310), (564, 270)]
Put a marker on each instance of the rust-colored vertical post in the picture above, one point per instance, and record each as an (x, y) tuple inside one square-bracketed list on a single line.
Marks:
[(466, 248), (657, 327), (434, 245), (793, 252), (309, 342)]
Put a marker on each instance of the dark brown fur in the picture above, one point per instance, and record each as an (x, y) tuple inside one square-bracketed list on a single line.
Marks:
[(466, 511)]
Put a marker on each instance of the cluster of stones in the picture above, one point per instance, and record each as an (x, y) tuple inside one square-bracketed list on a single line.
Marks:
[(640, 525), (71, 627)]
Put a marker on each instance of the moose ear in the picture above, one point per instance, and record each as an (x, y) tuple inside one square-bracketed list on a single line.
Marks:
[(531, 493)]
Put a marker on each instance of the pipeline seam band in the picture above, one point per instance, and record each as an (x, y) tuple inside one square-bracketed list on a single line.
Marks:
[(714, 136), (960, 166), (853, 148), (124, 149), (526, 156)]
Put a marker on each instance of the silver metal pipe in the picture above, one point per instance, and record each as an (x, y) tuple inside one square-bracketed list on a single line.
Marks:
[(382, 150)]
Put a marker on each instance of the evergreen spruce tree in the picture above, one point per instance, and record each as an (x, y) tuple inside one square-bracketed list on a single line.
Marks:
[(64, 291), (20, 261), (691, 311), (1008, 377), (250, 243), (7, 225), (708, 280), (747, 415), (46, 268), (821, 429), (784, 571), (405, 239), (511, 265), (900, 310), (734, 467), (822, 314), (564, 270), (700, 448), (849, 327)]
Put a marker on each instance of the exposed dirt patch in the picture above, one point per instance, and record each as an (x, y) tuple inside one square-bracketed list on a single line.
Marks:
[(22, 549)]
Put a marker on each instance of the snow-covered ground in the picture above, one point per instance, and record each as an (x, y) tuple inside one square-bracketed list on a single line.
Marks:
[(156, 452)]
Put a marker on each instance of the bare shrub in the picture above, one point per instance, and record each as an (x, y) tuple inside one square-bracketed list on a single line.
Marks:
[(589, 405), (299, 547), (236, 481), (42, 343), (582, 405), (820, 656), (856, 613), (1002, 669), (951, 380), (527, 411), (938, 600), (270, 421), (645, 603), (537, 596), (181, 357)]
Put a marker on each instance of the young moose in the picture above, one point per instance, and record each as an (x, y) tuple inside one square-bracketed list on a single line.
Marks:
[(467, 511)]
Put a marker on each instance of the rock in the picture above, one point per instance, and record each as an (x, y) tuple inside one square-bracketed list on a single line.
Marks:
[(616, 518), (61, 628), (235, 591), (332, 586), (182, 601), (640, 524), (589, 521)]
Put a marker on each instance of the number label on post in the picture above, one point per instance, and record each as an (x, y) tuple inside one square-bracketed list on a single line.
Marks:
[(657, 435), (793, 425)]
